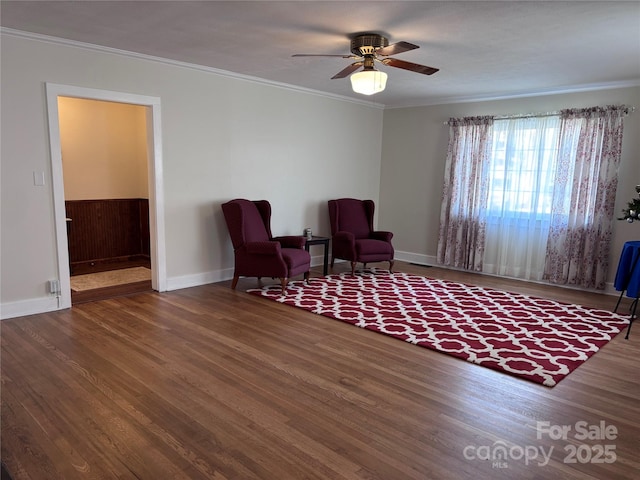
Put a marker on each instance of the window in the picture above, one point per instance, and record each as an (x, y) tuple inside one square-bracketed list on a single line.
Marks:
[(532, 197), (522, 165)]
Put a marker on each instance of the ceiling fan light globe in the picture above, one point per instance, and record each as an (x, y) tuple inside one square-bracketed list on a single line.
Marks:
[(368, 82)]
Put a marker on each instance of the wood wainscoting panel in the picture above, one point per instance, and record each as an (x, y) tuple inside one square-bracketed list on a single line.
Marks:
[(107, 230)]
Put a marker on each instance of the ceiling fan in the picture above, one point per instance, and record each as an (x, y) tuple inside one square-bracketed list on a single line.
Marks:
[(370, 48)]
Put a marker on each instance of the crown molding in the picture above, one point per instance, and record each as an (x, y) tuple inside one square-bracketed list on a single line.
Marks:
[(177, 63), (225, 73), (538, 93)]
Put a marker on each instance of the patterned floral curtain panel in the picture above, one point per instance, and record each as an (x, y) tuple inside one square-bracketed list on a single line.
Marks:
[(464, 199), (583, 204), (569, 219)]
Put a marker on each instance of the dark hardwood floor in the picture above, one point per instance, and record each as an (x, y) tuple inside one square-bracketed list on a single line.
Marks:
[(114, 291), (210, 383)]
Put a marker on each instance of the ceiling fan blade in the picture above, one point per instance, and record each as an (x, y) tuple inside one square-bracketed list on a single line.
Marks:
[(414, 67), (348, 71), (321, 55), (396, 48)]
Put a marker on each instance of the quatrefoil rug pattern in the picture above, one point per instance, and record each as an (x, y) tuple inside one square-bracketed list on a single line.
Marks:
[(534, 338)]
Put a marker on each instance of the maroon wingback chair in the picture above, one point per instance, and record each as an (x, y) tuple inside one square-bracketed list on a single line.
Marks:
[(353, 236), (257, 253)]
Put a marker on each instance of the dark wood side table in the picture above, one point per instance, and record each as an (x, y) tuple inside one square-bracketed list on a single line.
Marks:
[(315, 240)]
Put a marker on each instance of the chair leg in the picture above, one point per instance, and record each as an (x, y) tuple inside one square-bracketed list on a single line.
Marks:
[(353, 268), (391, 262), (234, 282), (284, 282), (306, 277), (332, 259)]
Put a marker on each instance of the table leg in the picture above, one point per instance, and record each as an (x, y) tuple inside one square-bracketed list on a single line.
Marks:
[(632, 309), (326, 259)]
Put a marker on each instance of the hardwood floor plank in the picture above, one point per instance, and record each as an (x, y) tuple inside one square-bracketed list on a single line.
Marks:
[(99, 423), (211, 383)]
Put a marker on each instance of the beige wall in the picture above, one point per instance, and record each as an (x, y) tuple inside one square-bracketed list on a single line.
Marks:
[(104, 149), (414, 149), (222, 138)]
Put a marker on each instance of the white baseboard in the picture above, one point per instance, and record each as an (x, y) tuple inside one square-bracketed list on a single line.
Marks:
[(50, 303), (418, 258), (421, 259), (186, 281), (28, 307)]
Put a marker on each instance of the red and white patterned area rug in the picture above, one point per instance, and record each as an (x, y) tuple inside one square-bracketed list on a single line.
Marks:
[(533, 338)]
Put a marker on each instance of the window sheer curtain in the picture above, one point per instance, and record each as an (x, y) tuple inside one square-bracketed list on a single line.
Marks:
[(465, 193), (522, 170), (582, 217)]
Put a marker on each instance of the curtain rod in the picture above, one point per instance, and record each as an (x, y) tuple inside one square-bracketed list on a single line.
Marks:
[(526, 115), (630, 110), (518, 115)]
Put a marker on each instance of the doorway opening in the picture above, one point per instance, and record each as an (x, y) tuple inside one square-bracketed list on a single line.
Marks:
[(113, 188), (105, 174)]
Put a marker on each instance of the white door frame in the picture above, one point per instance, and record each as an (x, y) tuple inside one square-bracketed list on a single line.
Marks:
[(155, 178)]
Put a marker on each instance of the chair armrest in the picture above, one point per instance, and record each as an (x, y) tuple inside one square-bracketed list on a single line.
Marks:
[(343, 245), (263, 248), (345, 238), (291, 241), (382, 235)]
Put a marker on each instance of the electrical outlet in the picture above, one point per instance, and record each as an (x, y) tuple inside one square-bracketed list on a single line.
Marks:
[(54, 287)]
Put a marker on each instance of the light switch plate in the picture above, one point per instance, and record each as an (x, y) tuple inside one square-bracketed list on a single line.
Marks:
[(38, 179)]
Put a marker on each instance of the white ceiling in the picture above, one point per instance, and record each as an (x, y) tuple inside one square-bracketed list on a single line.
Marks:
[(483, 49)]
